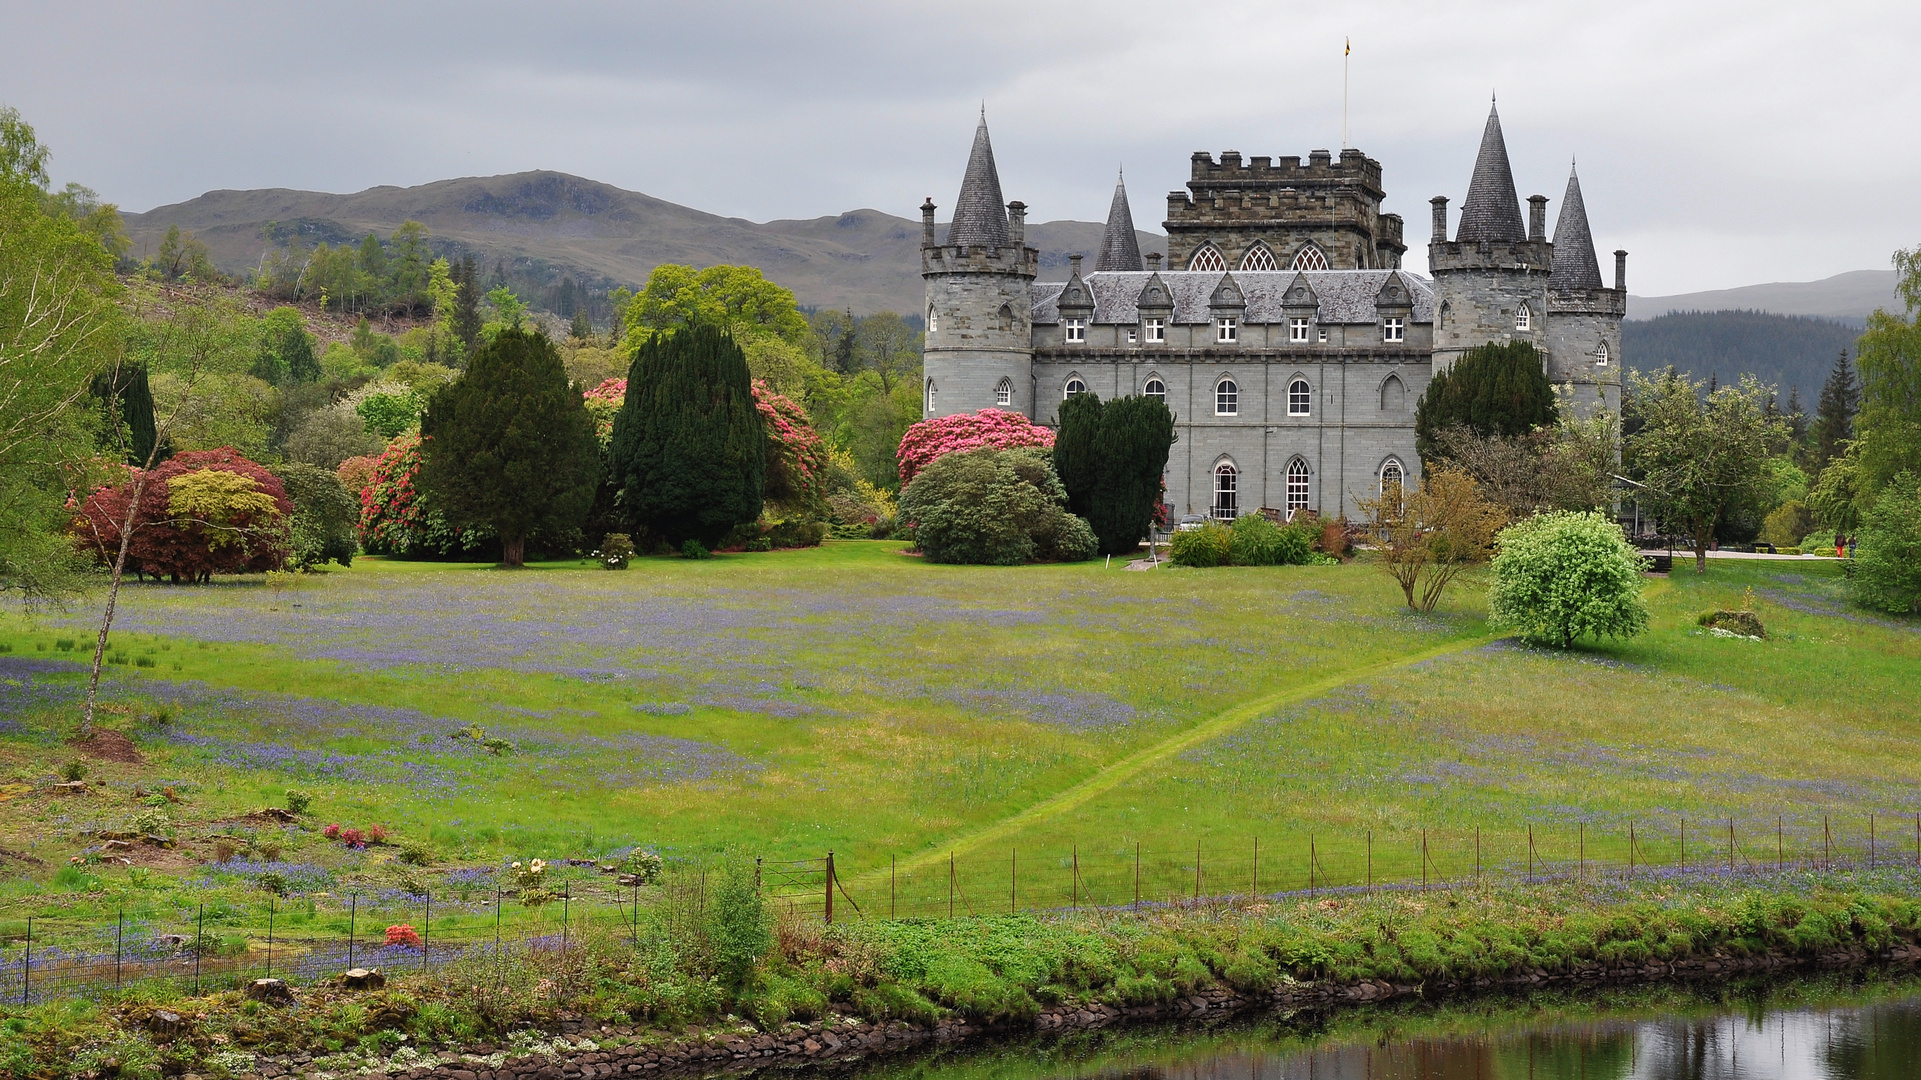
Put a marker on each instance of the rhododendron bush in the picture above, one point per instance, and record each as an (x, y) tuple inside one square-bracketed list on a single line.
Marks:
[(201, 513), (997, 428), (796, 456), (394, 517)]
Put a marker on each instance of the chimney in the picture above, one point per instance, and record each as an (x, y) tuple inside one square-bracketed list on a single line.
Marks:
[(927, 222), (1074, 262), (1440, 218), (1154, 262), (1537, 219), (1017, 223), (1620, 271)]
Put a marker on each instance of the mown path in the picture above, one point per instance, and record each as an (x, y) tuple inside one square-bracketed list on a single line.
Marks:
[(1133, 765)]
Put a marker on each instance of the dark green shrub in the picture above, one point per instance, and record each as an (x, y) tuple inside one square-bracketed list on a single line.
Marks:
[(1887, 560), (997, 507), (688, 451), (796, 533), (694, 549), (325, 515), (1254, 541), (1210, 545), (1494, 389), (739, 927), (616, 551), (298, 801), (1110, 458)]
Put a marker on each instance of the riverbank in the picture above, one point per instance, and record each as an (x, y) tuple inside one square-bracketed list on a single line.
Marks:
[(661, 1001)]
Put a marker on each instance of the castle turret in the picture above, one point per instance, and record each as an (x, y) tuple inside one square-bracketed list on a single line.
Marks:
[(1584, 331), (979, 350), (1120, 247), (1490, 281)]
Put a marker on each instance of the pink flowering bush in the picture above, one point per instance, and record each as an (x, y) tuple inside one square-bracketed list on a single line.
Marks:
[(395, 520), (331, 832), (353, 838), (931, 439), (603, 404)]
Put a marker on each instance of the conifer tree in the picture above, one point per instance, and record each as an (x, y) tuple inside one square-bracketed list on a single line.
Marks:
[(1498, 390), (466, 315), (510, 445), (1110, 457), (688, 452), (128, 401), (1074, 453), (1834, 413)]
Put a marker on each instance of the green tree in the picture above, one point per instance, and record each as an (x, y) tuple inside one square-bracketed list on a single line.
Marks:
[(1834, 414), (1887, 570), (183, 257), (688, 453), (1700, 457), (508, 308), (1111, 457), (738, 299), (739, 926), (286, 349), (373, 263), (994, 507), (1837, 497), (1889, 424), (408, 270), (509, 445), (1565, 575), (325, 515), (1075, 457), (126, 401), (1494, 389), (464, 323)]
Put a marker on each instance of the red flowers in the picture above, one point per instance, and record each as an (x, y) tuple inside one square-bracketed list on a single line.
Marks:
[(403, 934), (331, 832), (997, 428)]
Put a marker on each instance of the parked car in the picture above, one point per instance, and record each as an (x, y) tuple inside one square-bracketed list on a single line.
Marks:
[(1190, 523)]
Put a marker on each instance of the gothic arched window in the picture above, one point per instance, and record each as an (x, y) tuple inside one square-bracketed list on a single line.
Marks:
[(933, 319), (930, 397), (1227, 397), (1310, 257), (1296, 487), (1259, 258), (1300, 398), (1393, 394), (1227, 498), (1006, 317), (1207, 258), (1004, 393), (1155, 388), (1524, 318), (1074, 386), (1392, 475), (1601, 355)]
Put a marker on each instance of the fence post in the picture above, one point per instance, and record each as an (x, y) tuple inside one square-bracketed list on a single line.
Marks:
[(1370, 861), (637, 914), (1581, 848), (566, 899), (1778, 852), (353, 914), (116, 948), (1684, 841), (1477, 854), (427, 928), (1074, 894), (1013, 878), (1197, 871), (890, 886), (500, 962), (199, 943), (1256, 894), (1423, 860), (120, 933), (1730, 844), (26, 966), (1530, 853), (1630, 851), (1870, 842), (1310, 866), (950, 884), (1137, 875), (1827, 842), (830, 887)]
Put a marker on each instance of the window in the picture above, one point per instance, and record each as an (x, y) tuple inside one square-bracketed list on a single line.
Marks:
[(930, 397), (1227, 498), (1074, 386), (1392, 475), (1207, 258), (1393, 329), (1259, 258), (1004, 393), (1296, 487), (1133, 335), (1393, 395), (1299, 398), (1323, 335), (1310, 258), (1006, 317), (1601, 355), (1297, 330), (1155, 388), (1227, 398), (1524, 318), (1154, 330), (1227, 330), (1076, 329), (933, 320)]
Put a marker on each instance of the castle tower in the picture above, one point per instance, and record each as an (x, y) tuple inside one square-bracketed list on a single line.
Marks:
[(1120, 247), (1584, 327), (979, 348), (1490, 281)]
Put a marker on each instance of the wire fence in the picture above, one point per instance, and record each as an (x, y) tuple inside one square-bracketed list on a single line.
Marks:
[(222, 944)]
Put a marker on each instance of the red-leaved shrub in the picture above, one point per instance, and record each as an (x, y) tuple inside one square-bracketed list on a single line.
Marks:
[(353, 838), (376, 834), (331, 832), (403, 934), (185, 547)]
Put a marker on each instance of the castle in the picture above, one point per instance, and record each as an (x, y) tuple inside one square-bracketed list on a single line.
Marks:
[(1282, 333)]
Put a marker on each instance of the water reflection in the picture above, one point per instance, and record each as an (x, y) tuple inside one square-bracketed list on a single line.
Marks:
[(1862, 1038)]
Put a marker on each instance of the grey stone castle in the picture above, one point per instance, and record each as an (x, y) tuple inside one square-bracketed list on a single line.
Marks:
[(1283, 333)]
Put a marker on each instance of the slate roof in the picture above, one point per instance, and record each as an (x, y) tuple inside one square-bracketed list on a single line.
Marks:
[(1120, 248), (1492, 210), (1575, 265), (980, 214), (1346, 296)]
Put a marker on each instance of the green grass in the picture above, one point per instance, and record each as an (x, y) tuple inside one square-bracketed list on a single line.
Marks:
[(1015, 720)]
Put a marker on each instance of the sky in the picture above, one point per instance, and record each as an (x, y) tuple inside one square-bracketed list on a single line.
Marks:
[(1721, 144)]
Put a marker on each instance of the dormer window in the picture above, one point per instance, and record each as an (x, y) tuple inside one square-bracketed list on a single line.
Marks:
[(1154, 331), (1227, 330), (1075, 330), (1524, 318), (1297, 330), (1133, 335), (1393, 329)]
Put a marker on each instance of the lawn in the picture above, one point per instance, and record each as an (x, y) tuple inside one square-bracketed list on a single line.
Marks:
[(1020, 722)]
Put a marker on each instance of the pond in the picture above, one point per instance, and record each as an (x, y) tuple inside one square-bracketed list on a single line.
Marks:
[(1835, 1029)]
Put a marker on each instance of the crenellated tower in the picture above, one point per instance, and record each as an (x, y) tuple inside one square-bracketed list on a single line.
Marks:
[(1491, 280), (979, 349), (1584, 332)]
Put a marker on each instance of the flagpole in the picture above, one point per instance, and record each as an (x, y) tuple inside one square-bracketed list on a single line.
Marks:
[(1347, 48)]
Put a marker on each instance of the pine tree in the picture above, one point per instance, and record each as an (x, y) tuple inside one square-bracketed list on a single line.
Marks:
[(688, 452), (1494, 390), (1797, 418), (128, 401), (510, 445), (1834, 414)]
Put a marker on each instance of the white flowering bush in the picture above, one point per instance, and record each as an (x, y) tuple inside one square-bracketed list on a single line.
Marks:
[(1566, 575)]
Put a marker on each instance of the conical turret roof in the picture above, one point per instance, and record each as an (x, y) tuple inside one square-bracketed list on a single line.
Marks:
[(1120, 248), (1492, 210), (980, 214), (1575, 266)]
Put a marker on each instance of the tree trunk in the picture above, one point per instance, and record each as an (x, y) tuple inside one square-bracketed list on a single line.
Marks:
[(113, 598), (1703, 536), (513, 551)]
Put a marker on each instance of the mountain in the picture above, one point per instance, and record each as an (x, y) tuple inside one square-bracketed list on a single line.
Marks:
[(1852, 295), (1784, 351), (547, 225)]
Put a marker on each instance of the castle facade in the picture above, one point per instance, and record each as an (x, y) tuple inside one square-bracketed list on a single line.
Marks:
[(1282, 332)]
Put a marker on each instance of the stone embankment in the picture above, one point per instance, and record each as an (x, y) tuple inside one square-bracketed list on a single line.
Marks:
[(579, 1051)]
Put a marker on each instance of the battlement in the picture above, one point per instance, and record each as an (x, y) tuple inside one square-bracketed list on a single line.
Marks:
[(1019, 260), (1352, 168), (1529, 255)]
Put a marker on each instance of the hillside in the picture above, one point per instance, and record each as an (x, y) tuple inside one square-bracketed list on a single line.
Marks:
[(1783, 350), (547, 225), (1853, 295)]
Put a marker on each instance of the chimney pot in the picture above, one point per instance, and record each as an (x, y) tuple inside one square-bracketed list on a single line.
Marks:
[(1154, 261), (1537, 219), (1074, 262), (1440, 218), (927, 222), (1017, 223), (1620, 271)]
